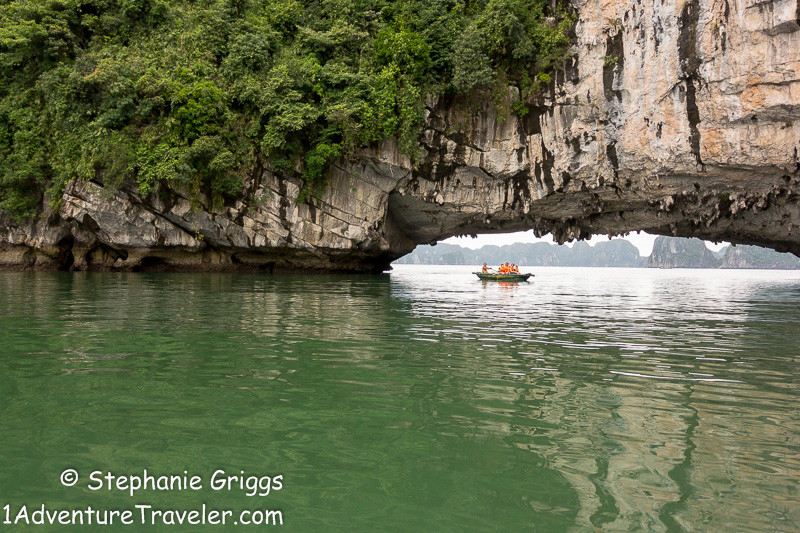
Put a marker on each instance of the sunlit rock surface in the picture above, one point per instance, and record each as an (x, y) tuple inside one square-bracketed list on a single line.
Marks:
[(677, 117)]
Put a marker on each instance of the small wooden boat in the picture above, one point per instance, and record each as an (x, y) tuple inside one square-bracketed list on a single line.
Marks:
[(492, 276)]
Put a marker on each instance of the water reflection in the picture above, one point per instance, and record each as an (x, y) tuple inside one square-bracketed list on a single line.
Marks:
[(585, 398), (646, 376)]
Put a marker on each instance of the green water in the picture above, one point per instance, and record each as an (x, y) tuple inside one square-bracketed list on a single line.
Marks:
[(423, 400)]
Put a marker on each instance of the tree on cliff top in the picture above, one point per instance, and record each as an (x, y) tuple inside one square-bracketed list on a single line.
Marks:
[(196, 95)]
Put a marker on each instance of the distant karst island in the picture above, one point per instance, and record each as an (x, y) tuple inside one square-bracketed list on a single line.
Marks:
[(668, 252)]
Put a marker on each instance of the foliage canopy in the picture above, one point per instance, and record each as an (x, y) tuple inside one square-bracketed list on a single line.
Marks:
[(198, 93)]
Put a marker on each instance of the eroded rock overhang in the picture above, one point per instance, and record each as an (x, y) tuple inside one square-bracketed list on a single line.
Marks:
[(677, 118)]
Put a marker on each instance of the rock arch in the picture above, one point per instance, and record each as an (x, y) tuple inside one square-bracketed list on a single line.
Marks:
[(678, 118)]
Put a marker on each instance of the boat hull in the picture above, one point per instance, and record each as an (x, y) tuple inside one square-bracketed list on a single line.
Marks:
[(502, 277)]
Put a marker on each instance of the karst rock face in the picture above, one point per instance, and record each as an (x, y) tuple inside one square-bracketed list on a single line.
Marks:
[(674, 117)]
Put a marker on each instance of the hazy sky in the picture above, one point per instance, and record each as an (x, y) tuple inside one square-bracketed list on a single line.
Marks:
[(643, 241)]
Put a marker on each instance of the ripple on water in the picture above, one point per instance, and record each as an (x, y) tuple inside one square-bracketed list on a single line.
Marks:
[(604, 399)]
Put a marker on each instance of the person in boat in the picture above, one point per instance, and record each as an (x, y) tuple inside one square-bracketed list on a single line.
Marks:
[(485, 269)]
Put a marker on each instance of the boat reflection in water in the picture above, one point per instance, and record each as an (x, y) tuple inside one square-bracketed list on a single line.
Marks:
[(510, 286)]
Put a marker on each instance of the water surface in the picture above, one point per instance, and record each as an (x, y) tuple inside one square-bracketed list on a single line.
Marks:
[(422, 400)]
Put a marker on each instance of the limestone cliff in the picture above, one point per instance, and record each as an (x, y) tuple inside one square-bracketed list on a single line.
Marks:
[(681, 253), (613, 253), (755, 257), (678, 117)]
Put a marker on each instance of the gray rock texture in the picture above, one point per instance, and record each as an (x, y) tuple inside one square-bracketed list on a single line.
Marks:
[(756, 257), (678, 117), (669, 252)]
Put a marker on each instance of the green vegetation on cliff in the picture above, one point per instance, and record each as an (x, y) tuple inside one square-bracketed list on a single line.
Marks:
[(199, 94)]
